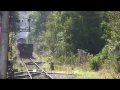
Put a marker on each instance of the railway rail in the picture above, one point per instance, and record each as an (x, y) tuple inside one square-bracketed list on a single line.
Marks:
[(40, 73)]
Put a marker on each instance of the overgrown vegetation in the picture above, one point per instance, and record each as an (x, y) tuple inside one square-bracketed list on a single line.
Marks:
[(13, 29), (62, 33), (110, 53), (57, 35)]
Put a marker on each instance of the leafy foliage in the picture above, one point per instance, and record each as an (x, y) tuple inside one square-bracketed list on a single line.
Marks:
[(111, 35), (69, 30), (63, 32)]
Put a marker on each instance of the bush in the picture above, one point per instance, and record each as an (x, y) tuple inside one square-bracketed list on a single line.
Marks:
[(94, 62), (97, 60), (117, 67), (116, 63), (112, 62)]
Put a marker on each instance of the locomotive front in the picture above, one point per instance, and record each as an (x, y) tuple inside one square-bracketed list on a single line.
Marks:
[(25, 50)]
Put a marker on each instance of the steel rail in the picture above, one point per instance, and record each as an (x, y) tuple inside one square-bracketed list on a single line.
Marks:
[(26, 69), (42, 69)]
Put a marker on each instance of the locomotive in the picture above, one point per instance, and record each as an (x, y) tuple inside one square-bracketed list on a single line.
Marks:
[(25, 50)]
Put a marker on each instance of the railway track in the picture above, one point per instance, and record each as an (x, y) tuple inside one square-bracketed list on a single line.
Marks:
[(37, 73)]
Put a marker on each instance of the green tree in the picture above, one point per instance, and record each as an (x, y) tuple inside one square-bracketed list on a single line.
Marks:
[(63, 32)]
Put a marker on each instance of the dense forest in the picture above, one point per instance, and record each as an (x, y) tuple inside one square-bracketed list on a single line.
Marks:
[(63, 32), (70, 30), (59, 34)]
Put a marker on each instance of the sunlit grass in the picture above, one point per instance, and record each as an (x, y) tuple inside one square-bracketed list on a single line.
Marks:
[(67, 69), (86, 74), (108, 74), (81, 71)]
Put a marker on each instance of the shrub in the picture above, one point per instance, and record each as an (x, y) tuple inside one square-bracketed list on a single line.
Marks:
[(112, 62), (116, 63), (95, 64)]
